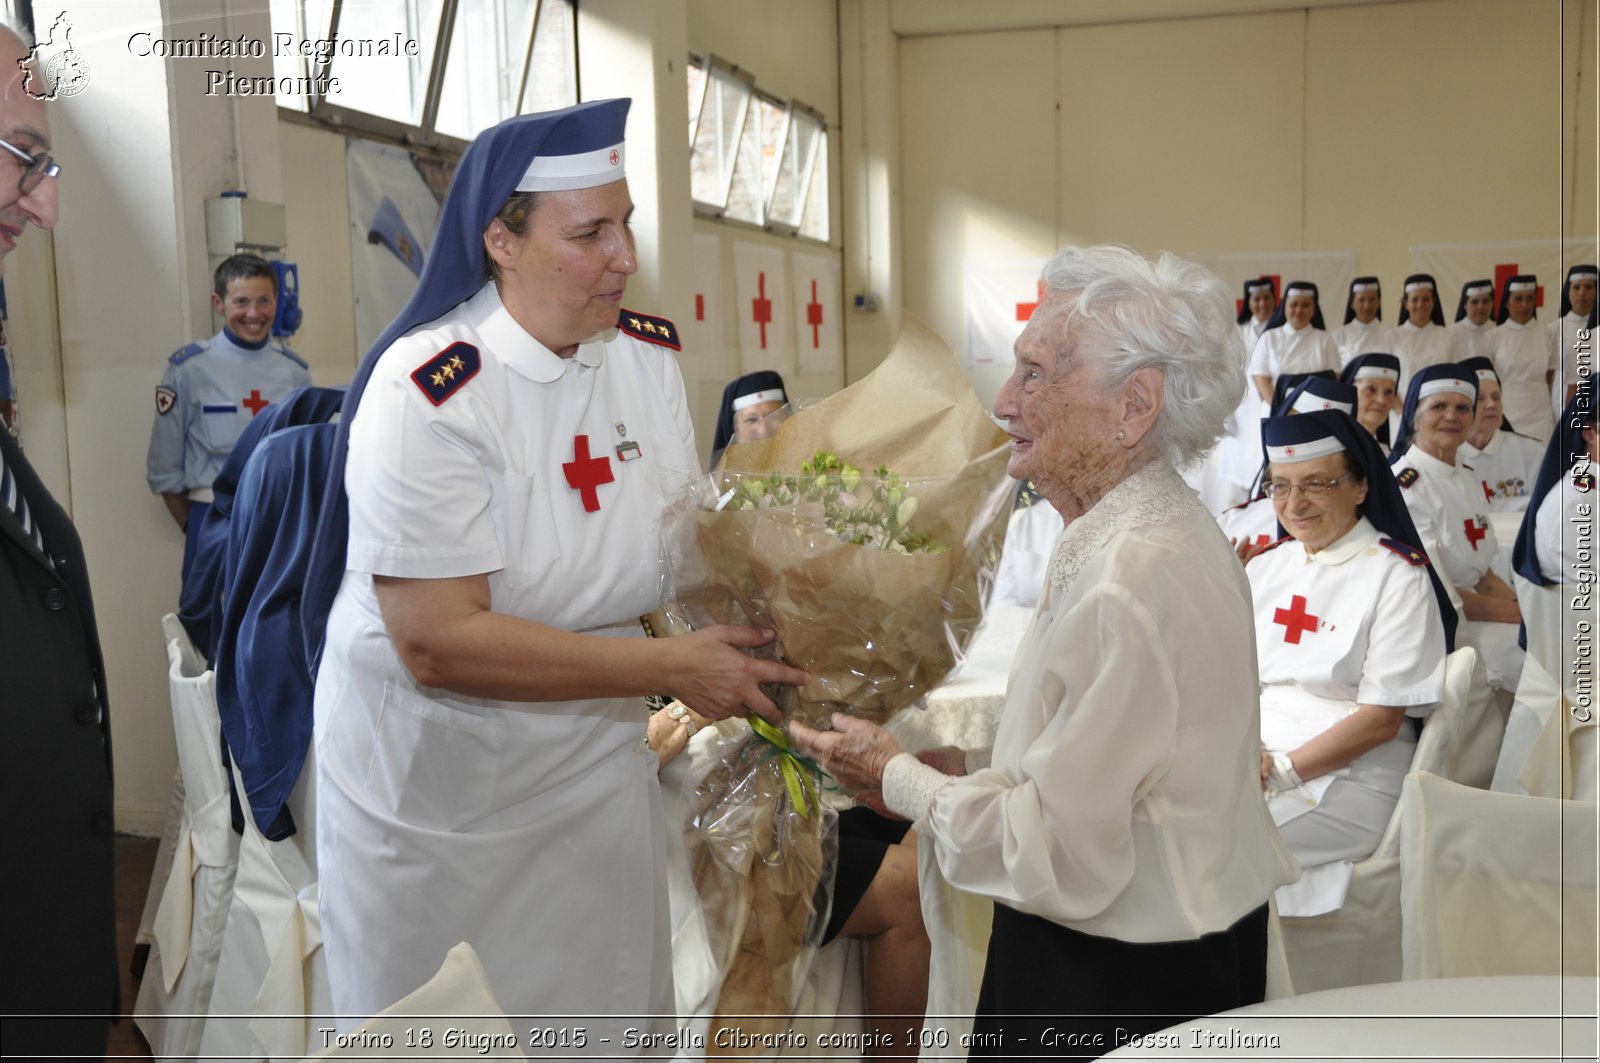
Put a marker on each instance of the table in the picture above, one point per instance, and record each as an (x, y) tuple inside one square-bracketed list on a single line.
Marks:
[(1505, 1017)]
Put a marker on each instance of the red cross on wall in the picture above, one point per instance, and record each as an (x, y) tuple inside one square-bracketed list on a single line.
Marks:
[(586, 474), (1503, 272), (814, 318), (1295, 620), (699, 307), (761, 307), (1025, 310), (255, 403), (1475, 533)]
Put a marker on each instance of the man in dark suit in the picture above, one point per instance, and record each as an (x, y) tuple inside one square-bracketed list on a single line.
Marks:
[(59, 900)]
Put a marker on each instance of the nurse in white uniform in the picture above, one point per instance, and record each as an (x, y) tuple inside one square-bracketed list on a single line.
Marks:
[(1522, 357), (483, 773), (1295, 340), (1451, 514), (1577, 315), (1420, 338), (1376, 378), (1363, 331), (1351, 641), (1474, 324), (1505, 462), (1254, 525), (1238, 454)]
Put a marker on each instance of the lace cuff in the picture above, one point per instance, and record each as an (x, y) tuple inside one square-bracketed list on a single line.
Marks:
[(909, 786)]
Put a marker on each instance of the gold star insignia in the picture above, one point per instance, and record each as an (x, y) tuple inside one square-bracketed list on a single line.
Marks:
[(649, 328), (633, 322), (457, 363), (666, 331), (438, 380), (448, 371)]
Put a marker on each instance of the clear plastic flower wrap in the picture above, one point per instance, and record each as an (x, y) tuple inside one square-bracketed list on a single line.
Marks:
[(865, 533)]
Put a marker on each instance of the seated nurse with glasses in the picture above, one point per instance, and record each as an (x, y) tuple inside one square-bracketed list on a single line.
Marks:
[(1351, 636)]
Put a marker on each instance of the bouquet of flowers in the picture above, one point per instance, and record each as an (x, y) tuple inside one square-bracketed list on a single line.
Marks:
[(865, 533)]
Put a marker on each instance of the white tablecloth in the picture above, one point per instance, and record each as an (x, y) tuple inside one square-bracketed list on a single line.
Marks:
[(1523, 1017), (965, 710)]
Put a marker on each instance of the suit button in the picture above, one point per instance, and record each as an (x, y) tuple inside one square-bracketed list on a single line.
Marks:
[(103, 823), (55, 599), (88, 712)]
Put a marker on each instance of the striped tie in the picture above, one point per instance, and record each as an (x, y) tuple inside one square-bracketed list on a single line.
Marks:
[(14, 501)]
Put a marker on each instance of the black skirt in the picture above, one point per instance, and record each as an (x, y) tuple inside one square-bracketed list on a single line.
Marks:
[(864, 839), (1052, 992)]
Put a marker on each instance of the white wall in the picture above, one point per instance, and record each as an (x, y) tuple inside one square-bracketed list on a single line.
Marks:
[(1373, 127)]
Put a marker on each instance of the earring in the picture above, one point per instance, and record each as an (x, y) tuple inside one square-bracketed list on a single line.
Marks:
[(1121, 435)]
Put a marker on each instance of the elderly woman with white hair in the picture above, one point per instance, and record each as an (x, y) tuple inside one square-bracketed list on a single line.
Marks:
[(1118, 824)]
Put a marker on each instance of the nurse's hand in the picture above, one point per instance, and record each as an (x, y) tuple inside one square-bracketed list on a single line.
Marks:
[(709, 672), (855, 752)]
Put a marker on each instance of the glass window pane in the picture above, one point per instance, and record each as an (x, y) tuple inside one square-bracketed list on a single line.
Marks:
[(552, 80), (287, 18), (787, 202), (746, 200), (484, 70), (389, 86), (697, 86), (721, 119), (774, 119), (814, 222)]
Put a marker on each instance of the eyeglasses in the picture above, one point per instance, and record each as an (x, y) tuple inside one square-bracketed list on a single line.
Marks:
[(1309, 488), (35, 168)]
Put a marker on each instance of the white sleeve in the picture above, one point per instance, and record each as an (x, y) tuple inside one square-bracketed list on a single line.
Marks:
[(419, 491), (1405, 646), (1261, 358), (1054, 836)]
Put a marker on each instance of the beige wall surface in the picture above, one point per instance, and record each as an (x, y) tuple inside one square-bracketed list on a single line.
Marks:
[(1369, 127)]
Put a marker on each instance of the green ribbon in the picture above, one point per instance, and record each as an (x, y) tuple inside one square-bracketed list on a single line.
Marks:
[(789, 764)]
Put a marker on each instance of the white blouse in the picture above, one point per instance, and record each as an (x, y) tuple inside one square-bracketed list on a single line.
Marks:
[(1522, 356), (1418, 348), (1285, 350), (1356, 339), (1476, 341), (1507, 467), (1450, 512), (1124, 794)]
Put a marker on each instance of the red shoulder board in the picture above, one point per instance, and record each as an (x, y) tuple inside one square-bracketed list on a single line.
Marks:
[(1407, 477), (1412, 555), (442, 375), (656, 330), (1583, 481)]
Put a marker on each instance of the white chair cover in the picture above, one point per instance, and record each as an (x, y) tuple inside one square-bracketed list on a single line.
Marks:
[(1496, 884), (162, 868), (458, 998), (190, 917), (1359, 944), (273, 973), (1548, 751)]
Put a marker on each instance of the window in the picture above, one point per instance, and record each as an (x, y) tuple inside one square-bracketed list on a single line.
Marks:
[(754, 157), (426, 71)]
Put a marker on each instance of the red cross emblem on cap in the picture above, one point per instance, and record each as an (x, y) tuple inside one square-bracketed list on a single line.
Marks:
[(616, 156), (1289, 451), (586, 474)]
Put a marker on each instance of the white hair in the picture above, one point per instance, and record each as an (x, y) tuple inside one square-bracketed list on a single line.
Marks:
[(1169, 315)]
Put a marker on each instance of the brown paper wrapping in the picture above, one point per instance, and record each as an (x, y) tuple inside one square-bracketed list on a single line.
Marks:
[(876, 631)]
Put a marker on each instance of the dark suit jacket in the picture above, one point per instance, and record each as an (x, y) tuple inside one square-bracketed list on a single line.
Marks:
[(59, 900)]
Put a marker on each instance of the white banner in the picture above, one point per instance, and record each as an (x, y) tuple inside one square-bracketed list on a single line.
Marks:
[(393, 213), (816, 312), (705, 326), (1001, 295), (761, 306), (1330, 271), (1453, 265)]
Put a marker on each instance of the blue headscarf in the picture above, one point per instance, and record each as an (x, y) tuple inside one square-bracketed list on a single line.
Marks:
[(1481, 366), (1566, 293), (1408, 415), (1385, 507), (1350, 298), (1302, 393), (749, 384), (1251, 286), (1566, 443), (1503, 312), (1466, 293), (487, 176), (1374, 360)]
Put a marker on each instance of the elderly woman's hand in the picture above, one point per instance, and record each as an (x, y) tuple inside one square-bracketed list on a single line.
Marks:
[(855, 752), (669, 730)]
